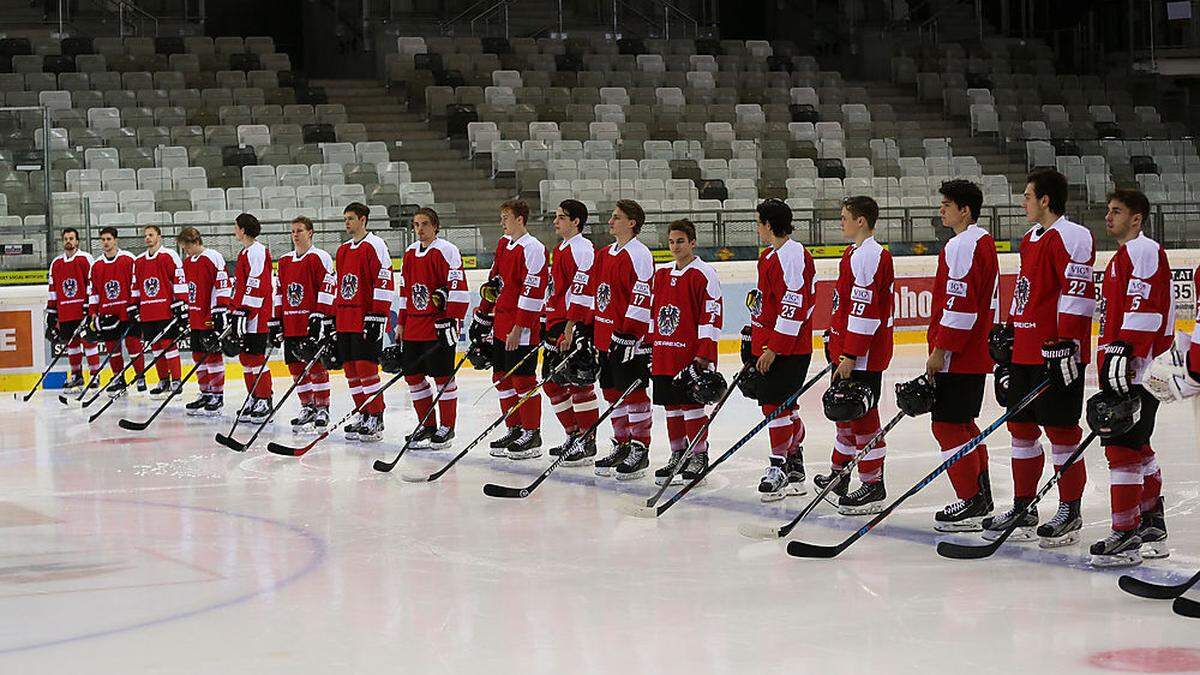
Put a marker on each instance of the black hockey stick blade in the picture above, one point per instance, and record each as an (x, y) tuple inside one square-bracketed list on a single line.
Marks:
[(800, 549), (100, 412), (231, 443), (1144, 589), (1186, 607), (493, 490), (130, 425), (64, 400), (949, 549), (288, 451)]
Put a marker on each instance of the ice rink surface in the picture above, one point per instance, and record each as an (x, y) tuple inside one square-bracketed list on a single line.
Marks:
[(163, 552)]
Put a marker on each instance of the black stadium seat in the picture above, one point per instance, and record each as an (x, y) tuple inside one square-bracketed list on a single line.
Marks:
[(58, 64), (830, 168), (233, 155), (713, 189), (496, 45), (319, 133), (804, 112), (169, 45), (74, 46), (244, 62), (458, 116)]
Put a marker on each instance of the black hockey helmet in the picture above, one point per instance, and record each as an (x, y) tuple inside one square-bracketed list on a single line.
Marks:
[(1110, 414), (391, 359), (847, 400), (916, 396)]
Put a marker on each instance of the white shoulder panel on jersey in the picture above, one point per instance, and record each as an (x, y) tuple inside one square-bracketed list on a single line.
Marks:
[(960, 251), (256, 256), (713, 286), (1076, 239), (642, 259), (123, 252), (88, 257), (381, 249), (172, 255), (535, 253), (214, 256), (864, 262), (583, 250), (449, 252), (1143, 255), (792, 263)]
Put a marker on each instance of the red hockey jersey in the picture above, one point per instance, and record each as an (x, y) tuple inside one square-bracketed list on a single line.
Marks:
[(253, 287), (68, 285), (567, 299), (364, 282), (620, 283), (425, 270), (112, 285), (1055, 295), (521, 266), (303, 289), (1137, 304), (861, 325), (158, 282), (207, 286), (782, 303), (687, 316), (966, 301)]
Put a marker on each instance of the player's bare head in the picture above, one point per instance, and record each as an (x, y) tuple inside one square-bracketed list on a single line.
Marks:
[(302, 231), (681, 239), (571, 214), (1045, 195), (628, 216), (962, 202), (152, 235), (356, 215), (189, 236), (859, 212), (247, 225), (426, 224), (108, 237), (773, 217), (514, 216), (70, 238), (1128, 210)]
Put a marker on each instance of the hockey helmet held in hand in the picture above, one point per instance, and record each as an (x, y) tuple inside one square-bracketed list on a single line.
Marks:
[(915, 397), (847, 400), (391, 359), (1110, 414)]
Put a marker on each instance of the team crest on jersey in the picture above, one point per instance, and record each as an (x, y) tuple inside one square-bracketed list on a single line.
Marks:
[(112, 289), (603, 296), (667, 320), (349, 286), (70, 287), (191, 293), (295, 294), (836, 300), (150, 287), (420, 297), (754, 302), (1021, 295)]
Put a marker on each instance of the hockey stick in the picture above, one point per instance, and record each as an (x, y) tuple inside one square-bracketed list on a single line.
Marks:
[(53, 362), (1144, 589), (493, 490), (385, 467), (687, 453), (756, 531), (643, 511), (497, 383), (415, 478), (802, 549), (146, 346), (148, 366), (289, 451), (948, 549), (233, 443), (1186, 607), (95, 379), (175, 391), (227, 440)]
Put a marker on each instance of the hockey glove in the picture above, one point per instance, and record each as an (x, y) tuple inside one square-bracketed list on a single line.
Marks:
[(490, 290), (825, 346), (624, 347), (1062, 366), (747, 345), (134, 313), (439, 298), (481, 328), (235, 339), (220, 319), (1000, 384), (52, 334), (179, 310), (373, 328), (275, 332), (1114, 369), (447, 330), (320, 329)]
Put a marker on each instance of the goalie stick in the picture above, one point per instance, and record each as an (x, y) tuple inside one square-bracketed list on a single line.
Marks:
[(756, 531), (233, 443), (227, 440), (642, 511), (1144, 589), (385, 467), (53, 362), (493, 490), (802, 549)]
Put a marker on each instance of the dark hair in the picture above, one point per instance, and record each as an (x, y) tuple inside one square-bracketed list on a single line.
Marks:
[(1134, 200), (157, 229), (777, 215), (249, 224), (1052, 184), (634, 212), (685, 226), (431, 215), (575, 210), (305, 221), (964, 193), (70, 230), (862, 206), (517, 207), (189, 235), (358, 209), (108, 229)]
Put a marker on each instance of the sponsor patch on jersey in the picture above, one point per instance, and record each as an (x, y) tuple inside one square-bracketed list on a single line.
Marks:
[(385, 273), (581, 278), (112, 289), (151, 287), (420, 297), (667, 320), (793, 298), (455, 275), (349, 286), (295, 294), (641, 288), (603, 296), (1139, 288), (70, 287), (712, 307), (251, 282), (956, 288), (860, 294), (533, 281), (1079, 271)]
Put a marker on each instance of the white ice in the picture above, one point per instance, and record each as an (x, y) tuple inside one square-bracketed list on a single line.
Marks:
[(163, 552)]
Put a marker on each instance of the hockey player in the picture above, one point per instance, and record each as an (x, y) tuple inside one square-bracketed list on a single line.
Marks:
[(965, 303), (512, 301), (861, 346), (620, 283), (363, 299), (569, 305), (160, 297), (251, 312), (433, 301), (303, 295), (1050, 328), (687, 319), (1137, 322), (208, 295), (112, 286), (780, 343), (67, 307)]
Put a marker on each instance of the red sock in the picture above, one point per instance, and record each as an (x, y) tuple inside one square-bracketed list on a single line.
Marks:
[(350, 368), (640, 416), (676, 428), (508, 398), (1125, 486), (798, 432), (964, 474), (75, 357), (619, 416), (560, 402), (865, 428), (134, 346), (216, 373), (422, 398), (368, 375), (117, 363), (779, 430), (93, 357), (843, 445), (583, 400), (448, 403), (1027, 458), (1151, 479), (531, 410), (200, 358), (303, 391), (320, 385), (694, 419), (252, 365), (1063, 441)]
